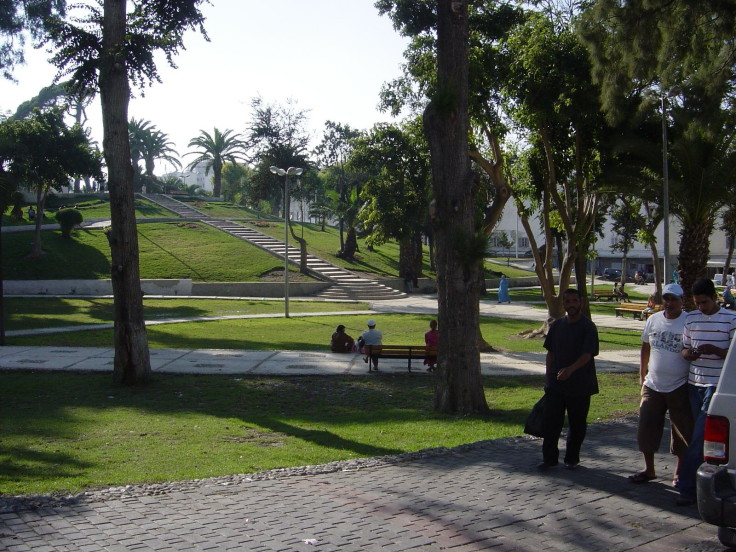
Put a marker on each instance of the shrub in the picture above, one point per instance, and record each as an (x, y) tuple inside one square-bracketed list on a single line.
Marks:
[(68, 219)]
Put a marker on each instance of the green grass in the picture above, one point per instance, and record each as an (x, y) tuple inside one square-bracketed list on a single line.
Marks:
[(68, 432), (313, 333), (23, 313), (96, 209), (227, 210), (167, 250)]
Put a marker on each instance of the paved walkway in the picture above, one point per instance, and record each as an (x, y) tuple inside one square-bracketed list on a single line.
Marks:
[(228, 361), (484, 496)]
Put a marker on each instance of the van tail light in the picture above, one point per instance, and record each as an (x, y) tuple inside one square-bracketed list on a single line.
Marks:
[(715, 446)]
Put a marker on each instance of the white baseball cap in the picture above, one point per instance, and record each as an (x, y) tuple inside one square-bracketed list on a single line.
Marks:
[(673, 289), (371, 323)]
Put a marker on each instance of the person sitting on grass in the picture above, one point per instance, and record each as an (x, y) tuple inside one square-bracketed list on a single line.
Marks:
[(341, 342)]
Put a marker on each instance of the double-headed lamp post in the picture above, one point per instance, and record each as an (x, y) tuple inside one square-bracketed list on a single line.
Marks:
[(291, 171)]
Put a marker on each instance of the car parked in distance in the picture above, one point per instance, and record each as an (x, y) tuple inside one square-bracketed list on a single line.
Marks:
[(613, 274), (716, 479)]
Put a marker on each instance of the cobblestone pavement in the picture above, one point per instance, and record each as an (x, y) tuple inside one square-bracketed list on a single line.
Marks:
[(486, 496)]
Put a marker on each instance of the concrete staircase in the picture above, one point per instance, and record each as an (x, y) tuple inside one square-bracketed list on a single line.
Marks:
[(346, 285), (178, 207)]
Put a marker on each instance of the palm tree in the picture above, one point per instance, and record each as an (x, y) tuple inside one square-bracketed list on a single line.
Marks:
[(702, 168), (156, 145), (137, 130), (216, 150)]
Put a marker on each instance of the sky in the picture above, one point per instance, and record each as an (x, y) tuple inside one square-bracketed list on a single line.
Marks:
[(330, 56)]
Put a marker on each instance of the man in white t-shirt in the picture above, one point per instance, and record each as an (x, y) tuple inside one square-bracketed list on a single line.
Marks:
[(663, 378)]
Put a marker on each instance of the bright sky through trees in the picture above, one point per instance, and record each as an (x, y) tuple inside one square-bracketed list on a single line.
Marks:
[(330, 56)]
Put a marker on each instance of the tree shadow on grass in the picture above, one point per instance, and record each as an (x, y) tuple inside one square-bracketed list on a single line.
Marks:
[(318, 417)]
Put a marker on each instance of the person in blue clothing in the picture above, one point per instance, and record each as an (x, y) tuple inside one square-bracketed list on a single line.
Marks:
[(503, 290)]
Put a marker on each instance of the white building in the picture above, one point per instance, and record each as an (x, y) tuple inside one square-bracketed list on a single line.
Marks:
[(195, 176), (639, 256)]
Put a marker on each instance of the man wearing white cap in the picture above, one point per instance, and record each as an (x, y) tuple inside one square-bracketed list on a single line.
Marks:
[(372, 336), (663, 378)]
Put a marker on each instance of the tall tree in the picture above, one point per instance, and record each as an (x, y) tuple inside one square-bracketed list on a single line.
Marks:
[(460, 247), (395, 164), (645, 50), (333, 151), (277, 135), (108, 48), (215, 150)]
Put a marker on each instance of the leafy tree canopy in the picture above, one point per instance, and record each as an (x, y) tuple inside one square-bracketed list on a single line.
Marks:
[(152, 25), (18, 17)]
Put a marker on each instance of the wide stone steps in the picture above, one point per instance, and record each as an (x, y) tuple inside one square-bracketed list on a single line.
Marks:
[(347, 286), (178, 207)]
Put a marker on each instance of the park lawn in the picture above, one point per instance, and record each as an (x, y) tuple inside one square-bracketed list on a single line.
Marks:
[(63, 433), (23, 313), (501, 266), (313, 334), (97, 209), (167, 250)]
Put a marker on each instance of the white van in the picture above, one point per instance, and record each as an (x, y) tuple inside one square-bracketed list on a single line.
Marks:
[(716, 480)]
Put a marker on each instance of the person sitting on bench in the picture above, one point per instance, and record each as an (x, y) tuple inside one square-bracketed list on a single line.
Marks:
[(372, 336)]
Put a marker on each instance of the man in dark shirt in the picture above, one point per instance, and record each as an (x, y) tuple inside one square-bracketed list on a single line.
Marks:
[(571, 343)]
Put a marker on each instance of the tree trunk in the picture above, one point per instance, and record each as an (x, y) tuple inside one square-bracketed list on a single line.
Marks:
[(36, 251), (132, 362), (351, 245), (302, 249), (581, 273), (459, 385), (729, 256), (693, 258), (657, 270)]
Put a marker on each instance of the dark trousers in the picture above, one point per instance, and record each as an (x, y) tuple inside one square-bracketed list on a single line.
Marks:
[(554, 417)]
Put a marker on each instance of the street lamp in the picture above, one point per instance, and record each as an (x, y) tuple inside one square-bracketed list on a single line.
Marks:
[(665, 195), (291, 171)]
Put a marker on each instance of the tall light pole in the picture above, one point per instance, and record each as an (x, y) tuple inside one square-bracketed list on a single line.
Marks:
[(291, 171), (665, 196)]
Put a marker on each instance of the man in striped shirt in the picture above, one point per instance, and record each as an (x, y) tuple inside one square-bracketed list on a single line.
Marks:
[(705, 343)]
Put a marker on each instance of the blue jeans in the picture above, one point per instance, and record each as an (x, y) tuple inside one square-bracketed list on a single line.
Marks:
[(699, 402)]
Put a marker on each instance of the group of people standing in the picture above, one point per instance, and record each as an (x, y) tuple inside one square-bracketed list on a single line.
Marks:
[(681, 360)]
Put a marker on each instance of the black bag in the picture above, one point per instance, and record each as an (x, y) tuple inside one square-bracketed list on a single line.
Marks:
[(534, 422)]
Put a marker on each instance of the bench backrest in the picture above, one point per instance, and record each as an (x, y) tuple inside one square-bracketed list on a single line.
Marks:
[(401, 350)]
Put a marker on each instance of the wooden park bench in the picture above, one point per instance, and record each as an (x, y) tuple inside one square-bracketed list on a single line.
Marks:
[(637, 309), (408, 352)]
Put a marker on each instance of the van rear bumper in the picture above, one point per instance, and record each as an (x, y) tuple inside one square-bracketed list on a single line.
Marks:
[(716, 496)]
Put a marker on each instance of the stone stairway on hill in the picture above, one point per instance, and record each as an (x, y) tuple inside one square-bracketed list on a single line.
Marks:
[(178, 207), (346, 285)]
